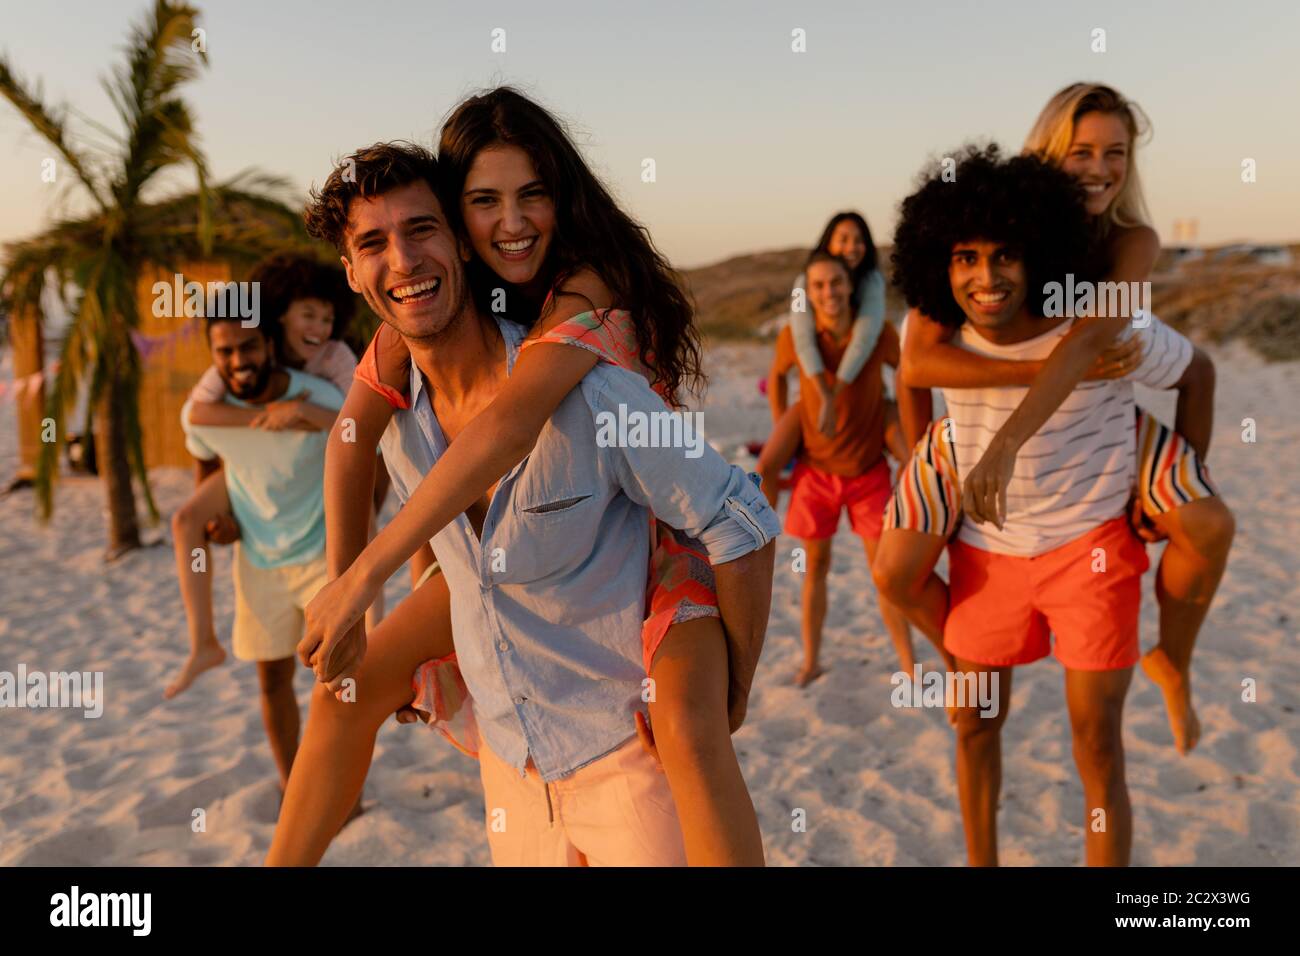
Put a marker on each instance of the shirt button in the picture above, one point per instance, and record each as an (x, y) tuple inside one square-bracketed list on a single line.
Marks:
[(520, 700), (503, 646)]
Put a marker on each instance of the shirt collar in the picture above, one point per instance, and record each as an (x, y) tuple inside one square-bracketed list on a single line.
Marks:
[(512, 334)]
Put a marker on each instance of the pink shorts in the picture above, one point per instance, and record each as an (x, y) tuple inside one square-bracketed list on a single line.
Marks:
[(615, 811), (1004, 609), (818, 497)]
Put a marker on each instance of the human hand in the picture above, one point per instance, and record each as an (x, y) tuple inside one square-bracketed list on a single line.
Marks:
[(334, 633), (984, 493), (283, 414), (1117, 361), (223, 529)]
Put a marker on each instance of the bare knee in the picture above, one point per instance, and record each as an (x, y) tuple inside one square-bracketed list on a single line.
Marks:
[(276, 677), (893, 581), (185, 521), (1211, 528), (976, 732), (819, 564), (352, 709), (1098, 747)]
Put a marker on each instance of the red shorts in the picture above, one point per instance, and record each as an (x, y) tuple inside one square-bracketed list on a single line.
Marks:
[(818, 497), (1004, 609)]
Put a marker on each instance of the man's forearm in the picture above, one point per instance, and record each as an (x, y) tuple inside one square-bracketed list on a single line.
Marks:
[(745, 589), (950, 366), (222, 414)]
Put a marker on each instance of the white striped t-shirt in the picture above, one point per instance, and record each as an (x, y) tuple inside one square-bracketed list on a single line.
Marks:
[(1077, 471)]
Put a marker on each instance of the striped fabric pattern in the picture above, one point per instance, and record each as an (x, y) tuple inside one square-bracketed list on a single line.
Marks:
[(609, 333), (927, 497), (1170, 473), (1078, 470)]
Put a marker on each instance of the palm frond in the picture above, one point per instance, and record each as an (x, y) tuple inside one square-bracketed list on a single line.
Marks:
[(49, 122), (160, 132)]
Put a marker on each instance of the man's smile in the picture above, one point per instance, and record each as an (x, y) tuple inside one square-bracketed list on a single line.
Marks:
[(415, 292)]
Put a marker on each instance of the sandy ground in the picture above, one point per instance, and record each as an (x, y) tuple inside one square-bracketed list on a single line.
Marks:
[(875, 783)]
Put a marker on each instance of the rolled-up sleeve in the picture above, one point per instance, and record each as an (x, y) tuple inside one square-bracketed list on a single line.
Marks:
[(691, 488)]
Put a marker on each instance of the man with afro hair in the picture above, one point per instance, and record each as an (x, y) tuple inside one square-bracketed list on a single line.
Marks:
[(980, 246)]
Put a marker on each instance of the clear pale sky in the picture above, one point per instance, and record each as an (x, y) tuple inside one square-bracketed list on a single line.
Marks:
[(754, 145)]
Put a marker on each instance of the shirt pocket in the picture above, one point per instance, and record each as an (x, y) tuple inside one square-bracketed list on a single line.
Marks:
[(550, 535)]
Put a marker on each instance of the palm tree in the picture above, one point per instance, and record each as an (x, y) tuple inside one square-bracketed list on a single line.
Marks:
[(102, 254)]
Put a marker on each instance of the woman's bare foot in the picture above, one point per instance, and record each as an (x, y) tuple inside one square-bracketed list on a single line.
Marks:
[(807, 675), (199, 661), (1177, 690)]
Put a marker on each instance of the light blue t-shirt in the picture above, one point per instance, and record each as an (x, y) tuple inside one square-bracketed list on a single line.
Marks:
[(275, 479)]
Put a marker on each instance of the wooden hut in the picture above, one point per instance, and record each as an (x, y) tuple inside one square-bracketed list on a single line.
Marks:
[(171, 371)]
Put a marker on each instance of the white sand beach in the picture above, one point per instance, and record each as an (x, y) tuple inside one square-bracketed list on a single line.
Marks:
[(876, 783)]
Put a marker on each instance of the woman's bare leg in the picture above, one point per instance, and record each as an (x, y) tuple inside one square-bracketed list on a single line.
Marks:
[(779, 448), (334, 756), (194, 574), (813, 600), (893, 617), (689, 713), (903, 569), (1200, 534)]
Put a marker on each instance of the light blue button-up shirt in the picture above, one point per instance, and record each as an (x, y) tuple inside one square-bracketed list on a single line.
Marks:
[(547, 606)]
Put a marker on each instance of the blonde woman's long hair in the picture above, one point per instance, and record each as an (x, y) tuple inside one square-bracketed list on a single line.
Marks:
[(1053, 133)]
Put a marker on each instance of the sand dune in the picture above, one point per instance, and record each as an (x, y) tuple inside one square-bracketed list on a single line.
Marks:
[(875, 783)]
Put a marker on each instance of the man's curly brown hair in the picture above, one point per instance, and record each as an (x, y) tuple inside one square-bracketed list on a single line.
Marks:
[(369, 172)]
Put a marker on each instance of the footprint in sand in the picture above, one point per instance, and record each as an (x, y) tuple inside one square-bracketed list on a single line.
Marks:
[(26, 808), (785, 730), (204, 792), (84, 846)]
